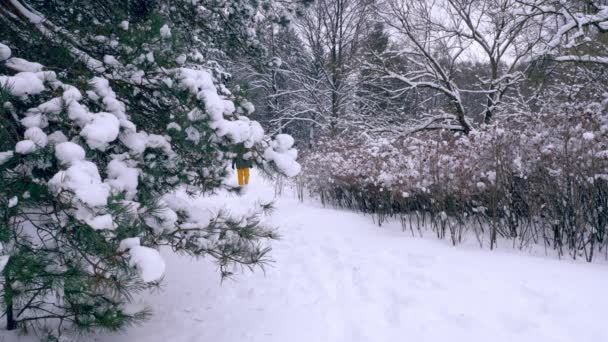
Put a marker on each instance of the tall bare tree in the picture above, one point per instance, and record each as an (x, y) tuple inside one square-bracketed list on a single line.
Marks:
[(437, 37), (332, 30)]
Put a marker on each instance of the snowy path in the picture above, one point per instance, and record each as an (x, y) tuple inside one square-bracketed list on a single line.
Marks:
[(337, 277)]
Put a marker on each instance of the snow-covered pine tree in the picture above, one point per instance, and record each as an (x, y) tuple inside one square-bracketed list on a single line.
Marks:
[(107, 108)]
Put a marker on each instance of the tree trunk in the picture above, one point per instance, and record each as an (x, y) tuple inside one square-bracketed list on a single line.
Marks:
[(491, 101), (11, 324)]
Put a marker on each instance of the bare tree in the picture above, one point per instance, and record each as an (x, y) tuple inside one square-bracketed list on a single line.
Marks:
[(332, 30), (437, 37), (573, 31)]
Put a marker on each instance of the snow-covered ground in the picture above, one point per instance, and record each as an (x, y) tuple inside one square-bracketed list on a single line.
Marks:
[(338, 277)]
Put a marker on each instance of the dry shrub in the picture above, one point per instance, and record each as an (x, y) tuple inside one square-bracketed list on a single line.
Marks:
[(533, 179)]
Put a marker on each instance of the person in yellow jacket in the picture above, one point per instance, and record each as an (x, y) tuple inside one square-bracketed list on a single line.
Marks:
[(242, 165)]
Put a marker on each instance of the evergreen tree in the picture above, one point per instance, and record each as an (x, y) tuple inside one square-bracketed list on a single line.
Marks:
[(108, 108)]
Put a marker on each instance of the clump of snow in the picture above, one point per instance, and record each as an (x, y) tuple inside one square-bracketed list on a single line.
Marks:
[(165, 32), (284, 142), (53, 106), (162, 218), (181, 59), (242, 130), (111, 103), (146, 260), (71, 94), (83, 180), (281, 153), (36, 135), (111, 60), (13, 201), (5, 156), (20, 64), (5, 52), (25, 147), (137, 142), (248, 106), (168, 82), (200, 83), (36, 120), (174, 125), (57, 137), (149, 263), (79, 113), (122, 178), (193, 134), (91, 63), (101, 131), (101, 222), (128, 243), (276, 62), (150, 57), (124, 25), (196, 115), (3, 261), (285, 163), (588, 136), (68, 152), (23, 83)]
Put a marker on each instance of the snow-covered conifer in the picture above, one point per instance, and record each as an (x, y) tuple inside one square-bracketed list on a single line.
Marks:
[(92, 93)]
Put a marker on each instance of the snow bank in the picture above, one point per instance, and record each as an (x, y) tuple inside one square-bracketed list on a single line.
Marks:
[(327, 285)]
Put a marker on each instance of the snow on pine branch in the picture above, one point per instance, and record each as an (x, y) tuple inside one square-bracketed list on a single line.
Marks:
[(95, 148), (239, 130), (79, 182)]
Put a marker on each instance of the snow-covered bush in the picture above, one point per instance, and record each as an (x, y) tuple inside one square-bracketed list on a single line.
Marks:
[(97, 134), (534, 178)]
